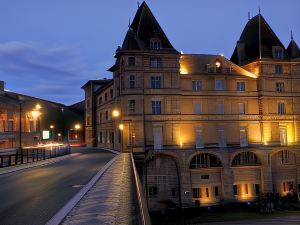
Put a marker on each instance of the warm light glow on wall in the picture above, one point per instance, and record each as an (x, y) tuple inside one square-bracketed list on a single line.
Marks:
[(121, 126), (183, 69), (35, 114), (267, 133), (290, 133)]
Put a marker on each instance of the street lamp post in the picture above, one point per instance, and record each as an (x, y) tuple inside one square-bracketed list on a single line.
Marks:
[(52, 132)]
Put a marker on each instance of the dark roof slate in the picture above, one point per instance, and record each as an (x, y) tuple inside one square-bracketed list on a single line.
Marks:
[(143, 28), (250, 39), (293, 50)]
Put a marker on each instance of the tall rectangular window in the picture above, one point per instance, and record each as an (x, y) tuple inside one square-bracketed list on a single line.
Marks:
[(219, 85), (106, 115), (155, 63), (197, 108), (246, 189), (283, 136), (285, 157), (131, 61), (235, 189), (156, 107), (152, 192), (278, 69), (221, 136), (280, 87), (10, 125), (220, 108), (243, 136), (196, 85), (242, 108), (196, 193), (131, 81), (199, 138), (281, 108), (278, 54), (131, 104), (100, 138), (155, 82), (240, 86), (257, 190), (111, 92), (105, 97), (155, 44), (217, 191)]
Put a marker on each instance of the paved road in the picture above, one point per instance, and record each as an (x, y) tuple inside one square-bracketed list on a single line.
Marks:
[(33, 196)]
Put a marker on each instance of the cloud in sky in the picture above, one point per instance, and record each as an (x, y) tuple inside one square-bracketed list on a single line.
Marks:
[(51, 72)]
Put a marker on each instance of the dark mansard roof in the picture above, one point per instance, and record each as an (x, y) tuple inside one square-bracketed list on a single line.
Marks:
[(143, 28), (249, 42), (293, 50)]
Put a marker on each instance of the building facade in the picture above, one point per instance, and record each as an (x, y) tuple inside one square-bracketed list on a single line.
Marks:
[(32, 116), (211, 129)]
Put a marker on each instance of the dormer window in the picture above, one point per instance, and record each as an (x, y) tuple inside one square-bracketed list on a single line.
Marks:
[(277, 52), (155, 44)]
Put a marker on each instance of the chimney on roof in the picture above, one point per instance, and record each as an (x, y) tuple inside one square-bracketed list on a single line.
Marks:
[(1, 85), (240, 47)]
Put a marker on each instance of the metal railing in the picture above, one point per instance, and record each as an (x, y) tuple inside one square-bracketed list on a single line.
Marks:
[(12, 157), (144, 218)]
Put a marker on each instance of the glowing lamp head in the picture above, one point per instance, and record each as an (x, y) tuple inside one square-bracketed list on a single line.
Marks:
[(218, 64), (35, 114), (121, 126), (51, 126), (77, 126), (38, 106), (59, 134), (115, 113)]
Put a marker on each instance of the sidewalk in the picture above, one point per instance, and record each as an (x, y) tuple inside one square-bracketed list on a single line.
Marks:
[(16, 168), (111, 200)]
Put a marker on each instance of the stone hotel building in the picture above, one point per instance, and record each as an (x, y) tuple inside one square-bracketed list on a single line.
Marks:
[(207, 128)]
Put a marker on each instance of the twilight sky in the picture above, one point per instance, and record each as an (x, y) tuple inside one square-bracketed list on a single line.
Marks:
[(50, 48)]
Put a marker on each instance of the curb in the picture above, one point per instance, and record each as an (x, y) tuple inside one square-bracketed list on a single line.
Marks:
[(64, 211), (110, 150), (36, 164)]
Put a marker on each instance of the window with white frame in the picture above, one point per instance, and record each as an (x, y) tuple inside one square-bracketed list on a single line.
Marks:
[(196, 85), (281, 108), (131, 106), (219, 85), (156, 107), (242, 108), (285, 157), (155, 82), (240, 86), (280, 87), (283, 136), (199, 137), (243, 136), (155, 63), (131, 81), (155, 44)]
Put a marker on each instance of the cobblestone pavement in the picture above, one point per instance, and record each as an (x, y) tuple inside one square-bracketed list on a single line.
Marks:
[(288, 220), (111, 200)]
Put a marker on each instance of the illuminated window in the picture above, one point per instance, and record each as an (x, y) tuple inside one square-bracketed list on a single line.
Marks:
[(155, 63), (156, 107), (245, 159), (131, 104), (131, 61), (280, 87), (155, 82), (205, 160), (288, 186), (278, 69), (219, 85), (131, 81), (155, 44), (243, 136), (281, 108), (240, 86)]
